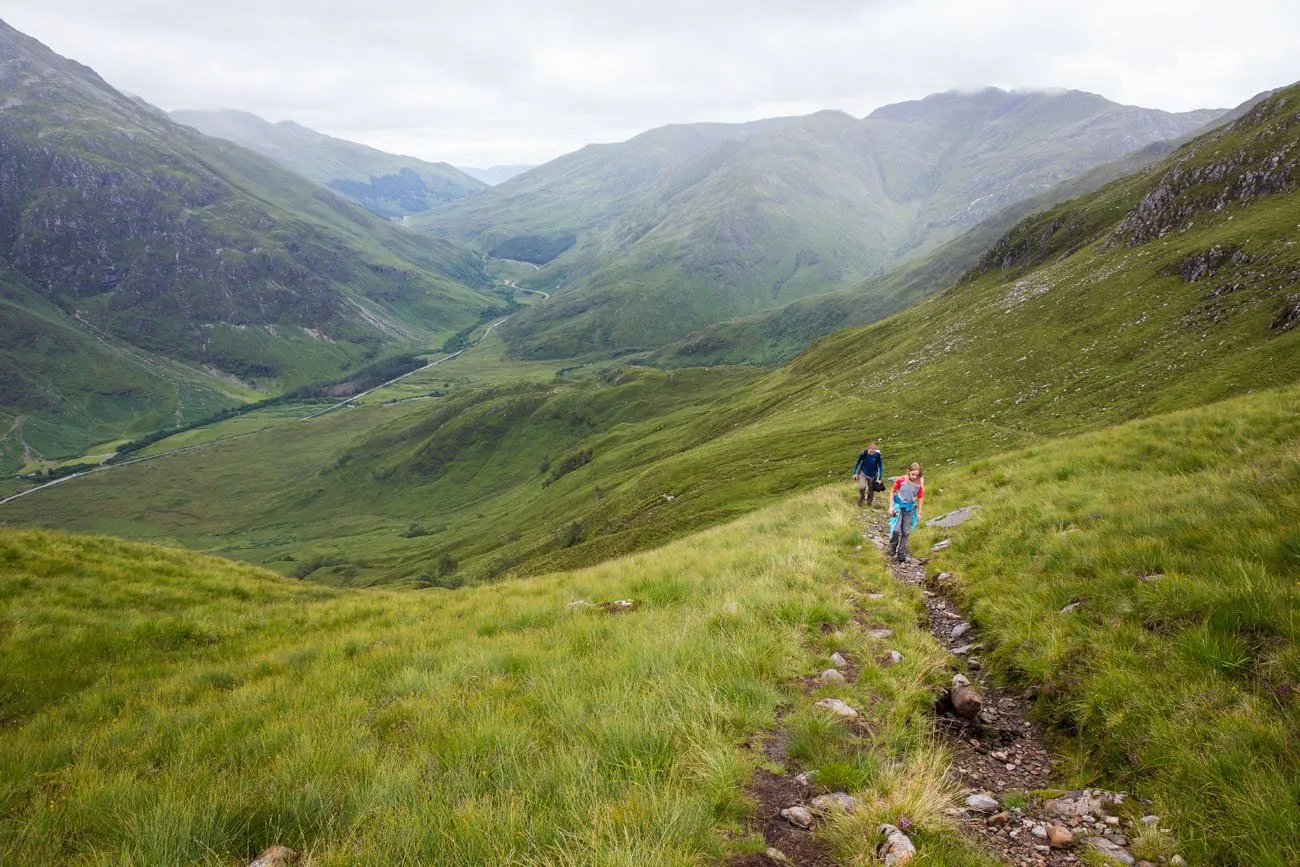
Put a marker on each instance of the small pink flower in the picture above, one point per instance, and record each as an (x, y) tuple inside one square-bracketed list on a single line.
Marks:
[(904, 822)]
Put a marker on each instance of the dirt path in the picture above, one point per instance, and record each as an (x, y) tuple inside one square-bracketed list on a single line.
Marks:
[(999, 754)]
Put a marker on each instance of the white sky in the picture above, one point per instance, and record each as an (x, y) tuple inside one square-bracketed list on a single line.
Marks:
[(522, 81)]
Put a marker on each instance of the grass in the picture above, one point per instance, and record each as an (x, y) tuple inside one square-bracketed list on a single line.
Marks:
[(1178, 677), (165, 707)]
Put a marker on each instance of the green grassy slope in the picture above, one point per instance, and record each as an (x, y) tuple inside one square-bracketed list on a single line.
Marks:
[(160, 707), (72, 387), (385, 184), (1055, 332), (142, 232), (685, 226), (219, 709), (1178, 675)]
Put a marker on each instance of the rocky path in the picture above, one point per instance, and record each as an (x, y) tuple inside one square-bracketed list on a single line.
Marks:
[(1000, 757)]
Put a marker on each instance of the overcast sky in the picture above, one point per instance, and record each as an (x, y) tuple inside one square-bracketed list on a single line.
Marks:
[(504, 81)]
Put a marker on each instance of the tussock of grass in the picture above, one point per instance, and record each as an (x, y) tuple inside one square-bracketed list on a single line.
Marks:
[(1178, 676)]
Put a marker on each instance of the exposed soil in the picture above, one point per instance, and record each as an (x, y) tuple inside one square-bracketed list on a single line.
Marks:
[(772, 793), (1000, 751)]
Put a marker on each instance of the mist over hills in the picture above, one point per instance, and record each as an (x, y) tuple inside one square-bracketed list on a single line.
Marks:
[(382, 183), (151, 274), (687, 225)]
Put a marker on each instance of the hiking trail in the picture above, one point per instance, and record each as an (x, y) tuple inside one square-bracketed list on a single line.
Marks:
[(997, 752)]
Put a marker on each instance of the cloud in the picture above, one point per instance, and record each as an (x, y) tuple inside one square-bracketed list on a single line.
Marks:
[(500, 81)]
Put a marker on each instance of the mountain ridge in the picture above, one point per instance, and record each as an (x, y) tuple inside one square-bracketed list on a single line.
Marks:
[(683, 226), (389, 185)]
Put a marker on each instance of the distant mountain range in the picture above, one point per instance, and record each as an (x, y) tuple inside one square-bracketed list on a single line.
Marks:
[(150, 274), (683, 226), (382, 183), (496, 174)]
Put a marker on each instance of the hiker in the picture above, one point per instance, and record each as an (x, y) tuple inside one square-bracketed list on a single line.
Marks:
[(905, 510), (869, 470)]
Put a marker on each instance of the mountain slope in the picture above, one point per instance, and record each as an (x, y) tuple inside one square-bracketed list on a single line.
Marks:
[(686, 226), (148, 236), (382, 183)]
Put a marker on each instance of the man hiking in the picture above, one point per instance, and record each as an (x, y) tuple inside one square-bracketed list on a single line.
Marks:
[(869, 470)]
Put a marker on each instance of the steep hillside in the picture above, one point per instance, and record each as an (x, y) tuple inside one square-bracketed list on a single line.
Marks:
[(1142, 579), (1064, 327), (686, 226), (382, 183), (154, 240)]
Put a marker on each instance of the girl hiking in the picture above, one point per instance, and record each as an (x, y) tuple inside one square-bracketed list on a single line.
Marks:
[(905, 510)]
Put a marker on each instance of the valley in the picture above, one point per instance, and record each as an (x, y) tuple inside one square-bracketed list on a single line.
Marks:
[(357, 511)]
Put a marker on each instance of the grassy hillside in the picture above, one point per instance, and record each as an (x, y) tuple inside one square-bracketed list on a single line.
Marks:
[(154, 240), (161, 707), (686, 226), (220, 708), (385, 184), (1178, 674)]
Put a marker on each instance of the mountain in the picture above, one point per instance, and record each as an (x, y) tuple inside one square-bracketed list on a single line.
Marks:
[(685, 226), (1165, 289), (131, 245), (496, 174), (382, 183)]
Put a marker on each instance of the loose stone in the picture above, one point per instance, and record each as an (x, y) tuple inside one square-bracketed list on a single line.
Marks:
[(1059, 837), (1111, 850), (830, 676), (275, 856), (982, 803), (838, 659), (895, 848), (837, 707), (798, 816)]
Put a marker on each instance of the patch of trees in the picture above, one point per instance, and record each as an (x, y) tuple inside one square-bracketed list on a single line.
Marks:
[(537, 249), (367, 377), (568, 465)]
